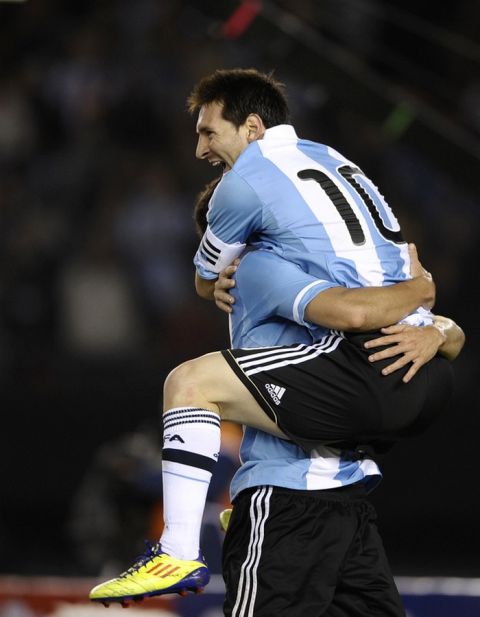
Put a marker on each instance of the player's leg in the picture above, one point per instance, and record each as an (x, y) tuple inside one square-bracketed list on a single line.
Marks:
[(407, 409), (365, 584), (284, 550), (433, 385), (196, 395), (312, 390), (209, 383)]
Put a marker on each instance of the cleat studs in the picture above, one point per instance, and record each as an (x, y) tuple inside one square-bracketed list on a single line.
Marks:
[(183, 593), (125, 604), (199, 590), (106, 604)]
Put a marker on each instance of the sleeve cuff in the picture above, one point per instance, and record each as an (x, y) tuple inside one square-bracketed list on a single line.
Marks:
[(304, 296)]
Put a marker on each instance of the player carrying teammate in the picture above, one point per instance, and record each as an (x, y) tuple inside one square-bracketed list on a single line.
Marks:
[(308, 204)]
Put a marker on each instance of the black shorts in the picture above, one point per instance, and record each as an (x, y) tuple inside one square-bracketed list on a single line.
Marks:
[(330, 393), (294, 553)]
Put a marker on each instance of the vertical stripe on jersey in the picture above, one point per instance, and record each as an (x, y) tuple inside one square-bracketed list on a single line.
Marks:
[(247, 584), (390, 254), (402, 271), (367, 259)]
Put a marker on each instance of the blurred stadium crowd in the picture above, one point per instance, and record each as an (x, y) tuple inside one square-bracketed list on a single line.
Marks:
[(97, 182)]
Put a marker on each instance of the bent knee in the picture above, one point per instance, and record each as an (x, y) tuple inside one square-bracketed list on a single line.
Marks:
[(181, 379), (189, 384)]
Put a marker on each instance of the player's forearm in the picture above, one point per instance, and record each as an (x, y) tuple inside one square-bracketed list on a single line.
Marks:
[(454, 337), (204, 287), (369, 308)]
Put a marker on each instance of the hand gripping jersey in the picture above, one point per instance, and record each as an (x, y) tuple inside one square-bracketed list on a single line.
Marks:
[(306, 203), (270, 311)]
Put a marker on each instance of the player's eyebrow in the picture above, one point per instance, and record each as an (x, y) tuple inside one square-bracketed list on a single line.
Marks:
[(204, 128)]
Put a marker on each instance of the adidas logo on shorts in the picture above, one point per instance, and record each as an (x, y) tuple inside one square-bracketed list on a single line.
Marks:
[(276, 392)]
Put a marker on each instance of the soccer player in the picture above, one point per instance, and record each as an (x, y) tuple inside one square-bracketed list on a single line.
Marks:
[(302, 539), (320, 213), (308, 204)]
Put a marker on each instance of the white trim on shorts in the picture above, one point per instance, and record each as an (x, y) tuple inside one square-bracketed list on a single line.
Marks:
[(248, 582), (272, 359)]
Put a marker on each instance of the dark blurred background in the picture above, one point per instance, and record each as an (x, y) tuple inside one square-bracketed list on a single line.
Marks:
[(97, 305)]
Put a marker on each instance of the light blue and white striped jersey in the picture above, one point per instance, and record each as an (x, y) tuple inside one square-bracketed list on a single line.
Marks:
[(269, 311), (308, 204)]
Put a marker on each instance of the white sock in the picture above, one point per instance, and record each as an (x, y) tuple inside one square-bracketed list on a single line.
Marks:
[(191, 443)]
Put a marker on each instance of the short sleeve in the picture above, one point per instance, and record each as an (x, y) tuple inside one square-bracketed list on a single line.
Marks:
[(235, 212), (276, 287)]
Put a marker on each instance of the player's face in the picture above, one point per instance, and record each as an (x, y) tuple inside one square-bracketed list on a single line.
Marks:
[(219, 141)]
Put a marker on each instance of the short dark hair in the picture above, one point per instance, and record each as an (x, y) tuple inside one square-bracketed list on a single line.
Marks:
[(201, 206), (242, 92)]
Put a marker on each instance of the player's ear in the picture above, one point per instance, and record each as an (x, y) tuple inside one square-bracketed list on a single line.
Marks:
[(255, 127)]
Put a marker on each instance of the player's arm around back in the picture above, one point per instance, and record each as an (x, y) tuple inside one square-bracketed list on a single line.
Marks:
[(370, 308)]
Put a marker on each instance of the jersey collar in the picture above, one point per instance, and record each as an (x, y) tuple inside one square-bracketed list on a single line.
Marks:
[(281, 131)]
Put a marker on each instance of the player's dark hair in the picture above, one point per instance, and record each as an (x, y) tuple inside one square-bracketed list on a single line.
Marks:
[(201, 206), (242, 92)]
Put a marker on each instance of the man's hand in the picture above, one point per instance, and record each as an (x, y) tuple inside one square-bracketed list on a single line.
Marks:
[(417, 344), (223, 298), (417, 270)]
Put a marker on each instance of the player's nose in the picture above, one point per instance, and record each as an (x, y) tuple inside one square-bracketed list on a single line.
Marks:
[(202, 150)]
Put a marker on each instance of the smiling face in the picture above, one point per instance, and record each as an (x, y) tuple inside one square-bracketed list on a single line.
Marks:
[(220, 141)]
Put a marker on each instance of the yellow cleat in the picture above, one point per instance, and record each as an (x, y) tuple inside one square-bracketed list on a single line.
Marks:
[(224, 518), (154, 573)]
